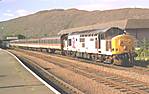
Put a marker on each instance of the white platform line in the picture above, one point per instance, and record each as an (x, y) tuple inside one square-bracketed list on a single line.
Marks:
[(35, 75)]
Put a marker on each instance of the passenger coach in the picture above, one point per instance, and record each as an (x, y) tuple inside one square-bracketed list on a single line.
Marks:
[(50, 43)]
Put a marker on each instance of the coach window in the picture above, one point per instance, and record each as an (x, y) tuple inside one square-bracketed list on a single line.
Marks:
[(59, 41), (55, 41), (47, 41), (69, 42), (51, 41)]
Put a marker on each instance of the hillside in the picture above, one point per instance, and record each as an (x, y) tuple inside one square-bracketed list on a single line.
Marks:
[(50, 22)]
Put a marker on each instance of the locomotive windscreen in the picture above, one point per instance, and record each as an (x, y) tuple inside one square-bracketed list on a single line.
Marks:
[(114, 32)]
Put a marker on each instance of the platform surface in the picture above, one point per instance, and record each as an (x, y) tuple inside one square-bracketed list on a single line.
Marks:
[(15, 79)]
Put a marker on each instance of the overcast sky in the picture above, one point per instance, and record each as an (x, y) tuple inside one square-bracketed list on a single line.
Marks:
[(14, 8)]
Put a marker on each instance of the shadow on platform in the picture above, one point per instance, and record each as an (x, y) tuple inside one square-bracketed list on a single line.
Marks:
[(16, 86)]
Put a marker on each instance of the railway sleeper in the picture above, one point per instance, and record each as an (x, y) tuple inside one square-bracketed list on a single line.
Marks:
[(123, 90), (119, 88), (125, 81), (111, 77), (107, 84), (137, 85), (132, 93), (143, 88), (114, 78), (131, 83), (111, 85)]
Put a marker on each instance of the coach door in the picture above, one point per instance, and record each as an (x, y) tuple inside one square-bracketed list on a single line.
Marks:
[(64, 43)]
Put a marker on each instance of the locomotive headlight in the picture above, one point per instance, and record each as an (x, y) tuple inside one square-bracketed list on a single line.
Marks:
[(125, 48)]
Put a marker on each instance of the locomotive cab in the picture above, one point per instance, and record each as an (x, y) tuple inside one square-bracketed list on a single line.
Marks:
[(105, 39)]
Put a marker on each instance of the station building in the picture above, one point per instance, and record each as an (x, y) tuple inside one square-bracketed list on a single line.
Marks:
[(139, 28)]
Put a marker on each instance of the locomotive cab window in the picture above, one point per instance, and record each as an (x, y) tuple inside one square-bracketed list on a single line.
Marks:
[(114, 31), (102, 36)]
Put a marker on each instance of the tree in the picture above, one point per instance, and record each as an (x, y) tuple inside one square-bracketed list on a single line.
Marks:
[(144, 48), (21, 36)]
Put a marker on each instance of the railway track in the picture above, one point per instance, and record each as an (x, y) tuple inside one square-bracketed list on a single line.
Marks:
[(123, 84), (138, 69), (55, 82)]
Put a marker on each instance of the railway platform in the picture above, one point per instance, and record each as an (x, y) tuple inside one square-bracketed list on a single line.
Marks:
[(15, 79)]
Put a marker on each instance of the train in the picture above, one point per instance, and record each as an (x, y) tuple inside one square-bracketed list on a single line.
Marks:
[(110, 45)]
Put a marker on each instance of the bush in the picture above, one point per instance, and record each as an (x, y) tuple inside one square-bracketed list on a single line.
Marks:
[(143, 50)]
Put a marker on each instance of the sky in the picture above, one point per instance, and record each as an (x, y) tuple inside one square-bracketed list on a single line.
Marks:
[(10, 9)]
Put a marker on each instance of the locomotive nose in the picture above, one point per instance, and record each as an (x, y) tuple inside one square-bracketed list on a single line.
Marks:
[(122, 44)]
